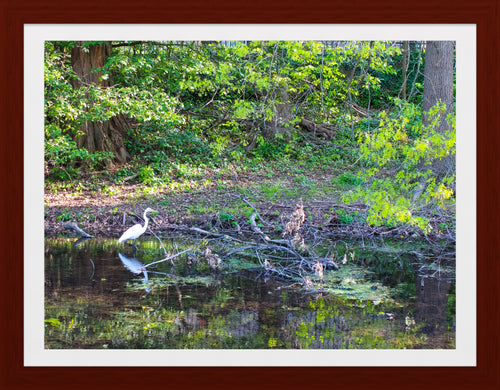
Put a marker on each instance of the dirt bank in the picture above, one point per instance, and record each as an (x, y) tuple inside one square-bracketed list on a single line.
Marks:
[(216, 203)]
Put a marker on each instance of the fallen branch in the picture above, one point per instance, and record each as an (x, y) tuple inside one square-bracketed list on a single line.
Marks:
[(315, 128), (255, 210), (74, 226), (206, 232), (253, 224), (130, 177)]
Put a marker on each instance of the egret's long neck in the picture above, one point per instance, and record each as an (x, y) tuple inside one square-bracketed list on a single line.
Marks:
[(146, 223)]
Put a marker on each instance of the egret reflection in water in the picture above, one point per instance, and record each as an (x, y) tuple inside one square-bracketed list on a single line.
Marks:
[(136, 267)]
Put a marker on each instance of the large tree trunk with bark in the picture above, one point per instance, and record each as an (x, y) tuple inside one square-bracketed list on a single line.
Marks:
[(105, 136), (438, 86), (438, 83)]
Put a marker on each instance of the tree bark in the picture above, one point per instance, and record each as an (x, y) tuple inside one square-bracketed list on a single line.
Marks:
[(438, 86), (404, 67), (106, 136), (316, 129), (438, 83)]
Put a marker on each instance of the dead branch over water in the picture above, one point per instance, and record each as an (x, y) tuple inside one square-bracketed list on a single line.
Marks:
[(295, 256), (294, 248)]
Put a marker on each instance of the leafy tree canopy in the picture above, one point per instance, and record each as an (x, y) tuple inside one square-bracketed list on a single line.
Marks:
[(219, 102)]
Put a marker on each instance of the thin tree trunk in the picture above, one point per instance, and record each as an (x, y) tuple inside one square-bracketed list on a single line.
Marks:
[(404, 67)]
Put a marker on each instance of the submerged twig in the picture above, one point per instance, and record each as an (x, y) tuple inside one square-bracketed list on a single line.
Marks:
[(93, 269)]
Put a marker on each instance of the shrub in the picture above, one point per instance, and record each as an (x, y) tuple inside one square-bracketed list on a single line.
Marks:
[(405, 150)]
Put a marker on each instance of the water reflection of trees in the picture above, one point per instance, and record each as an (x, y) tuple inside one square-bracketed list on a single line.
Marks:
[(431, 308), (236, 310)]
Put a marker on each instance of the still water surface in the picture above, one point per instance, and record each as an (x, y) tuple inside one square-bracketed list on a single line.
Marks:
[(98, 296)]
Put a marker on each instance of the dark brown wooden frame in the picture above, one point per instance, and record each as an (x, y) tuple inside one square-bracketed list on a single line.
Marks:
[(483, 13)]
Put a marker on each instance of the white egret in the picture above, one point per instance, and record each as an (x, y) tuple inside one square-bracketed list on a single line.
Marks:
[(137, 230)]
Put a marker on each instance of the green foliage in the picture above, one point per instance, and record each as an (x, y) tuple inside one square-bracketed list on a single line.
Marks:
[(407, 148), (190, 97), (66, 215), (55, 322), (215, 104), (163, 145), (146, 175), (61, 150), (349, 178), (271, 190), (228, 219), (68, 108), (347, 218)]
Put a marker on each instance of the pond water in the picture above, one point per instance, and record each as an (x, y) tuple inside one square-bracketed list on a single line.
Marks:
[(97, 295)]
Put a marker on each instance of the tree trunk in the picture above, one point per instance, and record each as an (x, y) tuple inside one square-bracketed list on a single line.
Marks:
[(404, 67), (438, 86), (104, 136), (438, 83)]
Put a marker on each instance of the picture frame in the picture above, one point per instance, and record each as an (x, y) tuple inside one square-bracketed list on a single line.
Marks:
[(482, 13)]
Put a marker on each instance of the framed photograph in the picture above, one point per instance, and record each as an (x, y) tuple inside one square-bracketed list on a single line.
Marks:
[(463, 353)]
